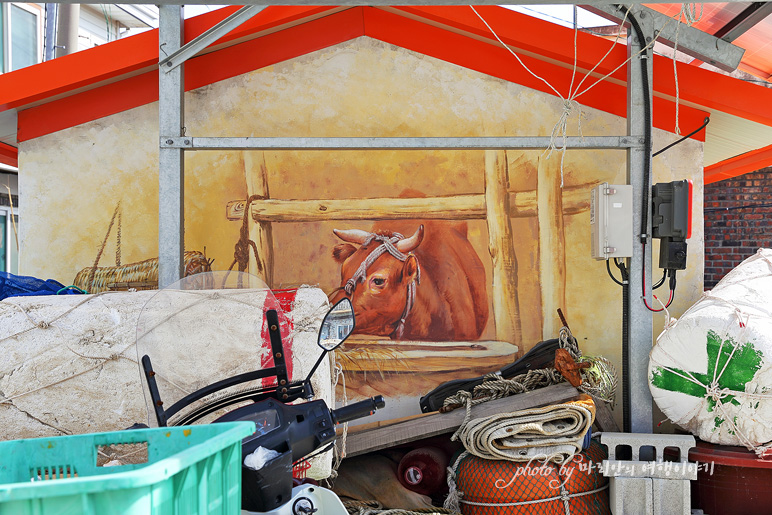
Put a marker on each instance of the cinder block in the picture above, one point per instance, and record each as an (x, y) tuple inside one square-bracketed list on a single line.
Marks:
[(649, 487), (672, 497), (631, 496), (638, 440), (653, 469)]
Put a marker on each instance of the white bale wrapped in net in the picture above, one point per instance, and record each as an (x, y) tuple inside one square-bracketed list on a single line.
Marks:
[(711, 371), (68, 364)]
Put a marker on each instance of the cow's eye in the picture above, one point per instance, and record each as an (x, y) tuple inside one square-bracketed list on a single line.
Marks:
[(379, 281)]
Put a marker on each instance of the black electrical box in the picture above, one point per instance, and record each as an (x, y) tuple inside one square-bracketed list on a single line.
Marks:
[(671, 215), (671, 210)]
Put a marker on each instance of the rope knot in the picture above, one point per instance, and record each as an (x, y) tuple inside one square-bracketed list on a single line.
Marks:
[(43, 325), (715, 392)]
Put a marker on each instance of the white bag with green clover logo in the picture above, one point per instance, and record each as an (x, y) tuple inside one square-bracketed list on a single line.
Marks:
[(711, 371)]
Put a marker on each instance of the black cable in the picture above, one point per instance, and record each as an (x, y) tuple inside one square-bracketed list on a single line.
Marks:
[(733, 208), (626, 365), (661, 281), (672, 274), (704, 124), (647, 132), (608, 269), (626, 405)]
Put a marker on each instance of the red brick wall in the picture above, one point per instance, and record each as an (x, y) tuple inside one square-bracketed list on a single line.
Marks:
[(738, 220)]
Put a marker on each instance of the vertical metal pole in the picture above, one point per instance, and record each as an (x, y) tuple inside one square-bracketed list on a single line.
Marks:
[(49, 43), (640, 334), (171, 173)]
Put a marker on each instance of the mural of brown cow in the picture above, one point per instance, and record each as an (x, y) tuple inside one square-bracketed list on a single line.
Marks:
[(428, 286)]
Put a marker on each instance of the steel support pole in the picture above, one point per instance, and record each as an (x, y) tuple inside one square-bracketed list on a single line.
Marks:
[(210, 36), (691, 41), (171, 172), (405, 143), (639, 318)]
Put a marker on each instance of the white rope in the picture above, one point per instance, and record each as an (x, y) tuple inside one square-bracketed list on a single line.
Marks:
[(114, 356), (43, 324), (689, 13), (569, 102), (339, 375), (516, 56), (562, 497), (714, 391), (453, 500)]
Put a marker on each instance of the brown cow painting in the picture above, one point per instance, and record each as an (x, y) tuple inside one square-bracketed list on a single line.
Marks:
[(428, 285)]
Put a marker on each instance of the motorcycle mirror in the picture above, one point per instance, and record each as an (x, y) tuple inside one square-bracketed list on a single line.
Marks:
[(337, 325)]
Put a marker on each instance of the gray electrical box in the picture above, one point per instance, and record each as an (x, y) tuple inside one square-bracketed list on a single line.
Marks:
[(611, 219)]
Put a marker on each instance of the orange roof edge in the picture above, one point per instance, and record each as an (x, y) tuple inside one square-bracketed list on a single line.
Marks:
[(739, 165), (9, 155), (122, 59)]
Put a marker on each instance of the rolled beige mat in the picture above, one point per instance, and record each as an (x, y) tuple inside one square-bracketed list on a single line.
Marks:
[(550, 433)]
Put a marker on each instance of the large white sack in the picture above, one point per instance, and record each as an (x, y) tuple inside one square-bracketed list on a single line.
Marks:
[(711, 371), (68, 364)]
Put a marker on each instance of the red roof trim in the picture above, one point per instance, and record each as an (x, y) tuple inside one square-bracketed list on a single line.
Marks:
[(738, 165), (696, 85), (200, 71), (454, 30), (131, 55), (390, 26), (9, 155)]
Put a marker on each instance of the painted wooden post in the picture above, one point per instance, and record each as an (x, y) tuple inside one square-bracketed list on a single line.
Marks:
[(256, 175), (552, 244), (506, 310)]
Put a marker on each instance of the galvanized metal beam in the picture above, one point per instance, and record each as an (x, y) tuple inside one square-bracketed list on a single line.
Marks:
[(171, 109), (693, 42), (640, 319), (406, 143), (196, 45)]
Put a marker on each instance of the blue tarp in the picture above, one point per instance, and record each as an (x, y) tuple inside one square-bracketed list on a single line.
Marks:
[(22, 286)]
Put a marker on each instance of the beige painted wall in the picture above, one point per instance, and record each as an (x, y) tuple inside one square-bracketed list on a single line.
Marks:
[(72, 179)]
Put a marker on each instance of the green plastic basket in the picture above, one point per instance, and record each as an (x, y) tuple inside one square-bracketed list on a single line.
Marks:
[(189, 470)]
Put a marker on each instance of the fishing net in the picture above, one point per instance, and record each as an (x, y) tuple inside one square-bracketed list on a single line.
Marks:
[(576, 487)]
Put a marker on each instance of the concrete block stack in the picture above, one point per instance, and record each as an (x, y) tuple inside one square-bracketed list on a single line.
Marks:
[(647, 484)]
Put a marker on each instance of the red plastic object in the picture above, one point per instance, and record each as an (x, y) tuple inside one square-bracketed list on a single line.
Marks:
[(423, 470), (730, 480)]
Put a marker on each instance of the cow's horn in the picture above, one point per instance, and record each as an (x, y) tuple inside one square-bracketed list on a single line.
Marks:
[(411, 243), (352, 235)]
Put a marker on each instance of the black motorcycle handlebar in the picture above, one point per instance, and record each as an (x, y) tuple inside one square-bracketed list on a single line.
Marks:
[(358, 409)]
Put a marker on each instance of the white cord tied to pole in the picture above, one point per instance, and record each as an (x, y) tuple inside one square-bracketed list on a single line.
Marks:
[(689, 13), (570, 104)]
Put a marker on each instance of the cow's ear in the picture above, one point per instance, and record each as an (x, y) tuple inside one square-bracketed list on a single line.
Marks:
[(343, 251), (410, 269)]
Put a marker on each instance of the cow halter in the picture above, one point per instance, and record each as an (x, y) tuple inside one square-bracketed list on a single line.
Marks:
[(387, 245)]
